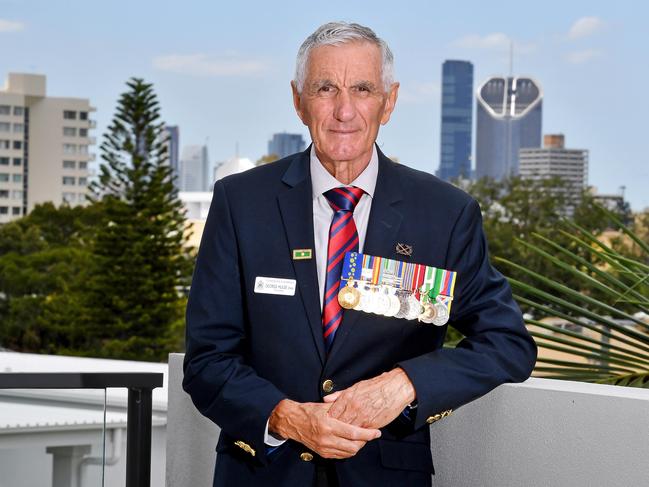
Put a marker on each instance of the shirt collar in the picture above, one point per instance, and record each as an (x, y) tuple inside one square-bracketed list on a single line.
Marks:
[(322, 181)]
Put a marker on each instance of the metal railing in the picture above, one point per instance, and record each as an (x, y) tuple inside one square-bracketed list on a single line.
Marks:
[(140, 387)]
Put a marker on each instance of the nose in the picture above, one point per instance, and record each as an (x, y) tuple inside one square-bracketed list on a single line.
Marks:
[(344, 110)]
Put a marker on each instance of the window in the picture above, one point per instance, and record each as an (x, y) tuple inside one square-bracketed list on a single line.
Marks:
[(69, 197), (83, 165), (69, 165), (17, 178), (5, 144), (18, 144), (4, 161), (83, 181), (16, 210), (68, 181), (19, 128), (4, 177), (5, 110), (69, 148), (69, 131), (18, 161), (4, 193), (83, 149), (19, 111), (83, 115), (83, 132), (4, 210), (69, 115), (17, 194), (5, 127)]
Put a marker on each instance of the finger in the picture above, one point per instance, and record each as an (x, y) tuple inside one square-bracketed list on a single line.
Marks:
[(339, 406), (352, 432), (332, 397), (340, 448)]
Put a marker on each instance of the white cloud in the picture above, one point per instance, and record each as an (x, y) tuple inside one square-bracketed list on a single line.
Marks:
[(583, 56), (11, 26), (204, 65), (585, 27), (495, 40)]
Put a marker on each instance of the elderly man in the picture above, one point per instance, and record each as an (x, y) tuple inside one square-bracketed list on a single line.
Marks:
[(306, 392)]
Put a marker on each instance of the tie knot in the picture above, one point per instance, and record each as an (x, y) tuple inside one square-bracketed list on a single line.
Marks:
[(345, 198)]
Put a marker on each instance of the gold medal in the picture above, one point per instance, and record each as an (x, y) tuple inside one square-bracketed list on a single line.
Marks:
[(429, 314), (349, 296)]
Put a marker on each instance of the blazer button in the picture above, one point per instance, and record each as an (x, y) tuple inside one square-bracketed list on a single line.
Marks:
[(306, 456), (328, 386)]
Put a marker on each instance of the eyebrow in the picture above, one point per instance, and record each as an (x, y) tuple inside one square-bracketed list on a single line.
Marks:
[(315, 85)]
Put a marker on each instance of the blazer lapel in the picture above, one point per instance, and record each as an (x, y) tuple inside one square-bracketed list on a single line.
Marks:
[(296, 207), (381, 236)]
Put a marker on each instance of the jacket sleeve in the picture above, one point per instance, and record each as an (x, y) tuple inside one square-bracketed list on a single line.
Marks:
[(497, 347), (222, 385)]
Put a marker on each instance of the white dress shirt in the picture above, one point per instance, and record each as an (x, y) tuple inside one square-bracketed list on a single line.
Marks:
[(321, 182)]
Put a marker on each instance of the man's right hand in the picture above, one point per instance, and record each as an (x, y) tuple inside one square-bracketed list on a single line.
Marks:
[(308, 423)]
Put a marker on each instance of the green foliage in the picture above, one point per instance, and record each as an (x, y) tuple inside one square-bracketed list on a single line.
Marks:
[(107, 279), (607, 341), (141, 267)]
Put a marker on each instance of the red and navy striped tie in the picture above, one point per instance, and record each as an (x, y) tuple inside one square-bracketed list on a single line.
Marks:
[(343, 238)]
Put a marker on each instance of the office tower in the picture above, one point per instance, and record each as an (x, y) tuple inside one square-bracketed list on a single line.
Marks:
[(554, 160), (284, 144), (172, 140), (457, 120), (194, 169), (509, 113), (44, 146)]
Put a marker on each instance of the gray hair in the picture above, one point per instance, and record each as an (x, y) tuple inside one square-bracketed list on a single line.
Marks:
[(335, 34)]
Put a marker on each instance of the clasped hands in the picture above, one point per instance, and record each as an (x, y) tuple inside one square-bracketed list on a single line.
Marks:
[(348, 419)]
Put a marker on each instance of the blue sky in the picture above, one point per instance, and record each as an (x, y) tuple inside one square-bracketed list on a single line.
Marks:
[(222, 72)]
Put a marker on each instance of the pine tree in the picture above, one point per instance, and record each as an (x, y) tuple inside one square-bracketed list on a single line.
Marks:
[(141, 265)]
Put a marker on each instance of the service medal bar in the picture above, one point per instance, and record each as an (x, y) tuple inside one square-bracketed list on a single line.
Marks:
[(394, 288)]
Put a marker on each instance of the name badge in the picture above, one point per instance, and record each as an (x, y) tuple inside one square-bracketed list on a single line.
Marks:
[(275, 285)]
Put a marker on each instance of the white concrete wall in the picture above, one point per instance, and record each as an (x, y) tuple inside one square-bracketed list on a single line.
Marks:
[(543, 433)]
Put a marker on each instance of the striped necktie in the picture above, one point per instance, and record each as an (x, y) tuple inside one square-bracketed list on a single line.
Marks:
[(343, 238)]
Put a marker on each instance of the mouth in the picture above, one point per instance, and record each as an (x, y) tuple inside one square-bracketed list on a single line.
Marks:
[(344, 131)]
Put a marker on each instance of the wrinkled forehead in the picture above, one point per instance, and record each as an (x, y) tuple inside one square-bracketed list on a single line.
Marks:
[(351, 60)]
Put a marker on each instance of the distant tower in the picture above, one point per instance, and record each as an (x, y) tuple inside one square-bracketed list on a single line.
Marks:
[(173, 151), (194, 168), (509, 119), (457, 120), (284, 144)]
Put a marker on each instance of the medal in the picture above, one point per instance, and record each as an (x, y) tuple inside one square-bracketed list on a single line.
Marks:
[(381, 303), (429, 314), (414, 308), (349, 296), (395, 306), (442, 315)]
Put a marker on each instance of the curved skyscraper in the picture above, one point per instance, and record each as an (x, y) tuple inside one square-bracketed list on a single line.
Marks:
[(509, 118)]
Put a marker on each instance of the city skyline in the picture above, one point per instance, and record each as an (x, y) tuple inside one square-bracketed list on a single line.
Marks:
[(212, 82)]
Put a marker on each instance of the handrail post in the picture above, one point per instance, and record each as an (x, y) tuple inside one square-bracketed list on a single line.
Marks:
[(138, 437)]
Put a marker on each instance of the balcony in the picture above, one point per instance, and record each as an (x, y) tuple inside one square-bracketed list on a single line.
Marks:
[(542, 433)]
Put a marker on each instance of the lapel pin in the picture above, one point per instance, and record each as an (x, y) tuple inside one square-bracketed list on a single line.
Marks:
[(404, 249), (302, 254)]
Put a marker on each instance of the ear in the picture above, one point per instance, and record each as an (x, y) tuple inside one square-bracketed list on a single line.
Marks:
[(391, 101), (297, 101)]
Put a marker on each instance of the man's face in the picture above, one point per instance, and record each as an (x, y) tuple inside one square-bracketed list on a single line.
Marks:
[(343, 101)]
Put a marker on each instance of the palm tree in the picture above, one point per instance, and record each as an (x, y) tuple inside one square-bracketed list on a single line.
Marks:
[(602, 335)]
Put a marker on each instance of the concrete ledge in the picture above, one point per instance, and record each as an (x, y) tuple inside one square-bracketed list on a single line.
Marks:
[(543, 433)]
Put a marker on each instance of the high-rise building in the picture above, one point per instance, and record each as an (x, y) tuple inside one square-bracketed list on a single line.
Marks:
[(457, 120), (554, 160), (44, 146), (172, 140), (509, 117), (284, 144), (194, 169)]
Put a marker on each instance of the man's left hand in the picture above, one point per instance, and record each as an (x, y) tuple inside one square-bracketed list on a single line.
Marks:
[(375, 402)]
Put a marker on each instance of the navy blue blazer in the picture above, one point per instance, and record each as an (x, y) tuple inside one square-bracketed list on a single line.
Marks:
[(247, 351)]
